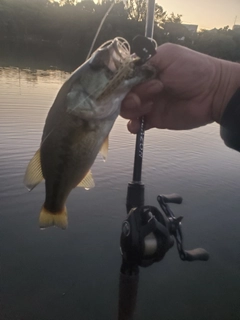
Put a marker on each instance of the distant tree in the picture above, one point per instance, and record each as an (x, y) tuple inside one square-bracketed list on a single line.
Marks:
[(217, 42), (67, 2), (225, 30), (174, 18), (160, 15), (86, 5), (236, 39), (70, 26), (119, 10), (54, 3), (136, 9), (174, 30)]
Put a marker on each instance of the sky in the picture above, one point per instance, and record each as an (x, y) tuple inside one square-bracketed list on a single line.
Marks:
[(207, 14)]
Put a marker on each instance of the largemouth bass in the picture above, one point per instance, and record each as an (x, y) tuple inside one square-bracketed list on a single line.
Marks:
[(78, 124)]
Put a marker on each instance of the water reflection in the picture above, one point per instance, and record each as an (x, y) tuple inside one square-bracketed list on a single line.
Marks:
[(74, 274), (34, 55), (14, 76)]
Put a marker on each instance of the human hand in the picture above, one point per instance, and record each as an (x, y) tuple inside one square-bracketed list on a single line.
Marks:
[(191, 90)]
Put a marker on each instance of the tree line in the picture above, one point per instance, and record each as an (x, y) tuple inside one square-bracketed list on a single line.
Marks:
[(70, 26)]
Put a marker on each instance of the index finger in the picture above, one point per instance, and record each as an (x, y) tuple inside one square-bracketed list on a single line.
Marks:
[(139, 101), (147, 89)]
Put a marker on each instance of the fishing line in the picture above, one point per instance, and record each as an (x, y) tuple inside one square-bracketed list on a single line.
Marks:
[(123, 43), (99, 29)]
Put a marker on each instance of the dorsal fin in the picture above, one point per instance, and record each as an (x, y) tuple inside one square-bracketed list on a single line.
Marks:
[(33, 175)]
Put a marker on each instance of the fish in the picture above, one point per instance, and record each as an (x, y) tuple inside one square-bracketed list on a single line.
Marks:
[(78, 125)]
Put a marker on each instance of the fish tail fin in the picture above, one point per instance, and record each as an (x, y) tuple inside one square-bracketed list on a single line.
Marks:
[(49, 219)]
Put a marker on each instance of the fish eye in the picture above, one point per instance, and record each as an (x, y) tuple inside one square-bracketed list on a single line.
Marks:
[(100, 59)]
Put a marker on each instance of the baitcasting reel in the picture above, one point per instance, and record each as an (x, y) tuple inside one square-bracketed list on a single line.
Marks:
[(148, 233)]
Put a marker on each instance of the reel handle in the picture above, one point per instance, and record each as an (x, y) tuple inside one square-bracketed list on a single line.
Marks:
[(172, 198), (196, 254)]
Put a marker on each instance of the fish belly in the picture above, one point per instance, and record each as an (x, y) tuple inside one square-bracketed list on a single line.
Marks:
[(66, 157)]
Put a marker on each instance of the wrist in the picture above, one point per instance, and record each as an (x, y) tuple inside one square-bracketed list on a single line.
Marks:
[(227, 84)]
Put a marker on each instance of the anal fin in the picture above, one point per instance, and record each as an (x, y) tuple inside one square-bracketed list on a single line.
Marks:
[(104, 149), (87, 182), (33, 175)]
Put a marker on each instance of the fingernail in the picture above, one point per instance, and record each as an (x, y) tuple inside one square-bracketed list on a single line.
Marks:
[(133, 126)]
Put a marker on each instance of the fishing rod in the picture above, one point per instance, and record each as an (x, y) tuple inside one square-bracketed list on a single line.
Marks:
[(147, 232), (129, 272), (144, 48)]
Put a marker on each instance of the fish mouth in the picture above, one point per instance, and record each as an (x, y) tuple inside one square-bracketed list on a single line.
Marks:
[(124, 68), (113, 54), (113, 72), (121, 58)]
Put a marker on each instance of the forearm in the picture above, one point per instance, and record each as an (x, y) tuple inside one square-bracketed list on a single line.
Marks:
[(226, 107), (227, 84), (230, 122)]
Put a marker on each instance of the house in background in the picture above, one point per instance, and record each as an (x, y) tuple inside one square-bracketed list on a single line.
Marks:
[(236, 27), (180, 31), (191, 27)]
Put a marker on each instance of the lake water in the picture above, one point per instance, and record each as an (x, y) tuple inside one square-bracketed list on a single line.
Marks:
[(74, 274)]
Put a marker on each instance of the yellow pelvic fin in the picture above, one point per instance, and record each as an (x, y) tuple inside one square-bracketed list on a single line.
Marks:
[(104, 149), (49, 219), (33, 175), (87, 182)]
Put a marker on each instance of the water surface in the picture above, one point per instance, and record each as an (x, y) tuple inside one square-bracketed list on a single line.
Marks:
[(74, 274)]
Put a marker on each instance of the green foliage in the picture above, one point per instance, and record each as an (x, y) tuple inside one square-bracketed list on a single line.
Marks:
[(137, 9), (221, 43), (67, 2), (174, 18), (160, 15)]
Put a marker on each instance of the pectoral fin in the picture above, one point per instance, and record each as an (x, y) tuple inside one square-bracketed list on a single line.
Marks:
[(87, 182), (33, 175), (104, 149)]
